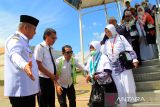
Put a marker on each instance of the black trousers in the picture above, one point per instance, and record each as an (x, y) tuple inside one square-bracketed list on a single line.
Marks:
[(46, 98), (136, 48), (70, 93), (27, 101)]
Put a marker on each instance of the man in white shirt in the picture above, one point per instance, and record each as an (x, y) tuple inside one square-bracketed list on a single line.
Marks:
[(66, 66), (47, 69), (21, 81)]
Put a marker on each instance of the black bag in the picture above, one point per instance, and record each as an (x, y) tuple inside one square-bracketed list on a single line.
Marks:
[(97, 95), (126, 60), (150, 33)]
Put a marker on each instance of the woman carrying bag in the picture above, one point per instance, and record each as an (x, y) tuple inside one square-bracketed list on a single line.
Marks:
[(122, 76), (99, 69)]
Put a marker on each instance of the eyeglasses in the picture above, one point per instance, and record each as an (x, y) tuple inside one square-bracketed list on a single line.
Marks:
[(68, 52)]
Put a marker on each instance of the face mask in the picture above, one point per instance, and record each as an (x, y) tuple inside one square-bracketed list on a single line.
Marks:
[(93, 53)]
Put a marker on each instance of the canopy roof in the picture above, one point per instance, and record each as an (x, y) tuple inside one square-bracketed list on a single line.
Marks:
[(89, 3)]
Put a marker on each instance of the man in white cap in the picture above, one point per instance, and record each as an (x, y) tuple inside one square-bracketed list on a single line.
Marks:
[(21, 82)]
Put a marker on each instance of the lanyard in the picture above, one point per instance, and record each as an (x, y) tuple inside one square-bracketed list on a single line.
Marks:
[(112, 44)]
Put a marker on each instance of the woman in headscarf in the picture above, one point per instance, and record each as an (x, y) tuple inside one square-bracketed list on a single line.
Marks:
[(131, 33), (146, 30), (99, 69), (122, 77)]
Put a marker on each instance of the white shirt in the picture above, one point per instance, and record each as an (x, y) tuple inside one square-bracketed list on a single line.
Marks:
[(104, 63), (65, 78), (17, 55), (120, 44), (42, 54)]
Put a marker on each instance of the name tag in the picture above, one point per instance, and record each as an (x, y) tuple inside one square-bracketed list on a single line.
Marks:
[(30, 55)]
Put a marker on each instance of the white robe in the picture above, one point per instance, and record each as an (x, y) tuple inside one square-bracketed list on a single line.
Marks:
[(124, 81)]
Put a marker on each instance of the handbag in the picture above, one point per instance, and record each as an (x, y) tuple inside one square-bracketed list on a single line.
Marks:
[(126, 60), (150, 33), (97, 95)]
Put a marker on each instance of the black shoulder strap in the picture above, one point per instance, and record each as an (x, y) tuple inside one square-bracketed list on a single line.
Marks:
[(41, 45)]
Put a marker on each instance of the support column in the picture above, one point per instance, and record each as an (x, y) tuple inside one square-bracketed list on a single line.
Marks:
[(119, 10), (105, 9), (81, 36)]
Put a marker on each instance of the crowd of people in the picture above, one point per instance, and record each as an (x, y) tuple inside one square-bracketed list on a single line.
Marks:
[(138, 27), (29, 74)]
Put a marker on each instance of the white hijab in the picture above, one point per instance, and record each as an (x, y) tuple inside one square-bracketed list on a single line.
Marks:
[(140, 13), (96, 45), (112, 29)]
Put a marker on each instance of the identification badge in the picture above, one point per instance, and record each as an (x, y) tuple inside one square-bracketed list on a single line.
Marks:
[(30, 55)]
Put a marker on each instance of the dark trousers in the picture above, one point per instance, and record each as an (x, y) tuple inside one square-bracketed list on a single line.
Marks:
[(70, 92), (136, 48), (46, 98), (27, 101)]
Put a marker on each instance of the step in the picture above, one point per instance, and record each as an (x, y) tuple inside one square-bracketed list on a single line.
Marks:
[(147, 99), (147, 69), (145, 104), (148, 85), (152, 76), (150, 62)]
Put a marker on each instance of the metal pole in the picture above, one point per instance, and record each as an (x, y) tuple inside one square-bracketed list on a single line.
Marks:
[(158, 2), (92, 11), (105, 9), (81, 36), (119, 10)]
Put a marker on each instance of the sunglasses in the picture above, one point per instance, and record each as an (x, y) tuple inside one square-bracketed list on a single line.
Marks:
[(68, 52)]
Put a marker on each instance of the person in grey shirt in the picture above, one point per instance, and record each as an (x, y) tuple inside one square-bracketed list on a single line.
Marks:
[(66, 66)]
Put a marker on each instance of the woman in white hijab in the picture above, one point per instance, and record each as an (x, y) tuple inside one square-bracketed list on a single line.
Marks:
[(123, 77), (99, 74), (148, 49)]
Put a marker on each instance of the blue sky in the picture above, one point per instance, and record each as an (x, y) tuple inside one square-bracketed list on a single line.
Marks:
[(58, 15)]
